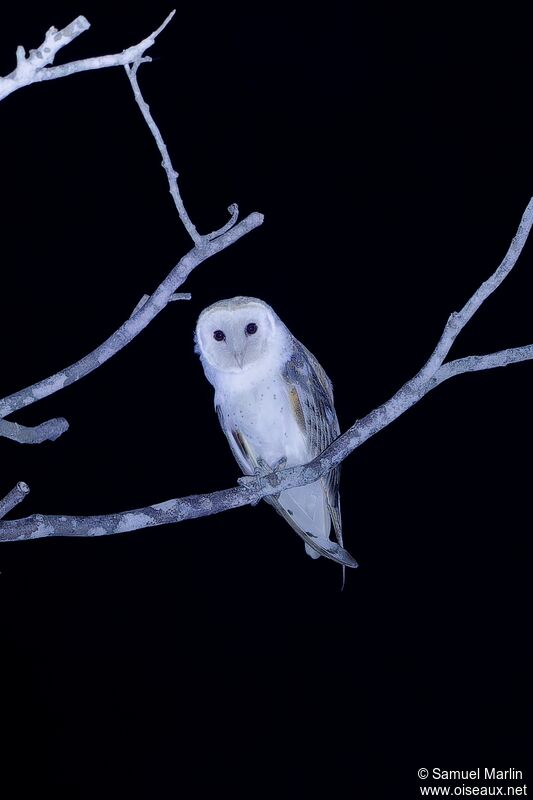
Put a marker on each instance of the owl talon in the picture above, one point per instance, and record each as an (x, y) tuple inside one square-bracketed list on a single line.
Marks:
[(251, 482), (248, 480), (264, 468), (274, 479)]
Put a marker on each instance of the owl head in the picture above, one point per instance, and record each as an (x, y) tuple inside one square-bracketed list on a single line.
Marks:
[(235, 335)]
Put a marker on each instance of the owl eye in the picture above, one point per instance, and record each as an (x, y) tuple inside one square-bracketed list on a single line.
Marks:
[(251, 328), (219, 336)]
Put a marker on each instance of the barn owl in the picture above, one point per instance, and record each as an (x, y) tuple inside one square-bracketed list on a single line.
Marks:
[(275, 405)]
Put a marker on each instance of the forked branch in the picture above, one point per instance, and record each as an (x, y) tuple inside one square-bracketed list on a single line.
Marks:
[(252, 489), (34, 68)]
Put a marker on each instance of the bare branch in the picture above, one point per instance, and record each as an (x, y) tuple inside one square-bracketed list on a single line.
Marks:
[(34, 68), (46, 431), (172, 175), (140, 304), (233, 210), (477, 363), (171, 299), (180, 296), (13, 498), (148, 307), (253, 488), (138, 320), (458, 320)]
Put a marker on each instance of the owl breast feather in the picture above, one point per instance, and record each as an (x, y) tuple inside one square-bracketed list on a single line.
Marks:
[(264, 414)]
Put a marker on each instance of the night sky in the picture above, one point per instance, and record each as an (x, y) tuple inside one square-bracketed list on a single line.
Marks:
[(391, 154)]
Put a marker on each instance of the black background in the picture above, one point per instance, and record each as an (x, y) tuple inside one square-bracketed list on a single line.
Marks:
[(390, 152)]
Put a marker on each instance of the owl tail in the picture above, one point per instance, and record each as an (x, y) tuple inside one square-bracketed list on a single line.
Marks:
[(311, 551), (316, 538)]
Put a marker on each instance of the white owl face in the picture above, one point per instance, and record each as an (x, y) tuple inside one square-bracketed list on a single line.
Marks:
[(234, 335)]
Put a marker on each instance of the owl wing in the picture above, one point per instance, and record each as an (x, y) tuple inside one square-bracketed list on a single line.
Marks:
[(240, 447), (248, 461), (311, 395)]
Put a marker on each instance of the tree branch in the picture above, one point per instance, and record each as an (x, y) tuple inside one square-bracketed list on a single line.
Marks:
[(477, 363), (31, 69), (46, 431), (13, 498), (34, 68), (172, 175), (458, 320), (254, 488), (251, 488), (138, 320)]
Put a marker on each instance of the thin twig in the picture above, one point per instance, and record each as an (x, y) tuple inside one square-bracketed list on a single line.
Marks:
[(13, 498), (34, 68), (180, 296), (233, 211), (477, 363), (458, 320), (172, 175), (172, 298)]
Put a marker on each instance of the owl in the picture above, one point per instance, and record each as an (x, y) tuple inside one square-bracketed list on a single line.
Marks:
[(275, 405)]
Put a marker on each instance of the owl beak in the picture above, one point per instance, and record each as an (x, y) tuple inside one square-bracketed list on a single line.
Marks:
[(239, 358)]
